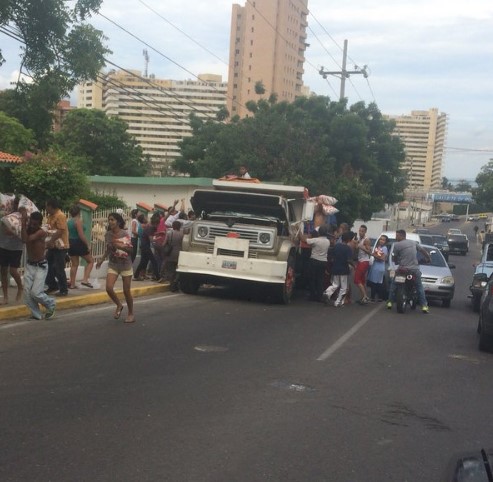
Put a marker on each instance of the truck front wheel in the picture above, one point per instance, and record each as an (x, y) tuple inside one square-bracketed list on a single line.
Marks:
[(284, 292), (189, 284)]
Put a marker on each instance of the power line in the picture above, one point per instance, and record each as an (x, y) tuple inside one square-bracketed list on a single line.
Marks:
[(467, 149), (182, 32), (161, 53)]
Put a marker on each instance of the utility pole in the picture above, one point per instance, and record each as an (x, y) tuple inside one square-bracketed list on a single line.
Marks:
[(344, 74)]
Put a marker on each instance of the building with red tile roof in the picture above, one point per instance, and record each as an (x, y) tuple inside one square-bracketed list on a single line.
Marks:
[(9, 160)]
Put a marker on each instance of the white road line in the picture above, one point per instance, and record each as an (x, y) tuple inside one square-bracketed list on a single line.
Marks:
[(344, 338)]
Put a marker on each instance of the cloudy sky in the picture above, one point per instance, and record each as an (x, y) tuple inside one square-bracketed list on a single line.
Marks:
[(420, 54)]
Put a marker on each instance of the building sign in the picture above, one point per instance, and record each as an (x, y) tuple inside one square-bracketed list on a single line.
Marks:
[(463, 198)]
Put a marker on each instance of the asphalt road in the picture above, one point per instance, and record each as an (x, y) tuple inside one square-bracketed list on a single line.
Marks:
[(225, 386)]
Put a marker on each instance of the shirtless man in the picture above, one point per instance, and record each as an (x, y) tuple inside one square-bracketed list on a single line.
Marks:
[(36, 267)]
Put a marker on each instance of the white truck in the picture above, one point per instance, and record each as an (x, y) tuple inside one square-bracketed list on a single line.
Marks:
[(245, 231)]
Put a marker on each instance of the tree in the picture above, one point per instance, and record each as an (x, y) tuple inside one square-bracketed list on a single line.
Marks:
[(483, 194), (463, 186), (323, 145), (102, 144), (446, 183), (55, 38), (58, 52), (49, 176), (14, 137)]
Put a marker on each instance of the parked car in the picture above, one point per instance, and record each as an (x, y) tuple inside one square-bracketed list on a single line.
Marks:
[(458, 243), (391, 238), (422, 231), (485, 323), (484, 269), (438, 281), (440, 242), (474, 217)]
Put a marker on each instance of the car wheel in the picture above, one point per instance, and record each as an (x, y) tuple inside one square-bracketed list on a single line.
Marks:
[(446, 303), (485, 342), (476, 304)]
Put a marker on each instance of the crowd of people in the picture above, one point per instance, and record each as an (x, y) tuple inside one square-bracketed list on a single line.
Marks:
[(50, 245), (335, 252)]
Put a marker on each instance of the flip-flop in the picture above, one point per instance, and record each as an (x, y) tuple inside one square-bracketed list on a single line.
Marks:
[(130, 319), (118, 312), (89, 285)]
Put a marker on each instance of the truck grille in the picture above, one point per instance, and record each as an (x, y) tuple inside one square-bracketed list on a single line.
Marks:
[(243, 233)]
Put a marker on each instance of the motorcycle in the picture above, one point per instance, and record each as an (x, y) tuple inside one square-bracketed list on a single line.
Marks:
[(406, 293)]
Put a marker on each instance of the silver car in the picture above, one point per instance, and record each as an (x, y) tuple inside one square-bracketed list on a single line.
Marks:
[(438, 281)]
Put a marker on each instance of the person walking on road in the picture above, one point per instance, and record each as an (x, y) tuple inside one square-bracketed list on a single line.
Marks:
[(118, 251), (10, 259), (363, 252), (377, 269), (36, 267)]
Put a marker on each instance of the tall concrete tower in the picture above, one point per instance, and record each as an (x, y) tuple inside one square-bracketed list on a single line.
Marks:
[(423, 133), (267, 44)]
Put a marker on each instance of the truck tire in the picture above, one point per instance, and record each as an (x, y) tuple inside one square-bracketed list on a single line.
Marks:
[(284, 292), (189, 284), (400, 299)]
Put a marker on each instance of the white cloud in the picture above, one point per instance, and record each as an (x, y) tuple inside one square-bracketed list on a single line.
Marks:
[(421, 54)]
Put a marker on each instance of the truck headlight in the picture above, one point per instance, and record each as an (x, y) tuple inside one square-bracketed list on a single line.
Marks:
[(448, 280), (203, 231), (264, 238)]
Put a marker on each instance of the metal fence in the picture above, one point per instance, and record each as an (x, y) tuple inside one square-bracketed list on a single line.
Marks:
[(98, 229)]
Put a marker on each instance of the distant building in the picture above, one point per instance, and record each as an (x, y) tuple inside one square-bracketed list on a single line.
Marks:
[(267, 44), (61, 110), (423, 134), (156, 110)]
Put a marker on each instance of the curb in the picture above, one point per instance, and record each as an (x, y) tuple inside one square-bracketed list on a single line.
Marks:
[(10, 313)]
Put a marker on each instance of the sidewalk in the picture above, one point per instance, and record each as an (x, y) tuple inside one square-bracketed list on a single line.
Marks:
[(80, 297)]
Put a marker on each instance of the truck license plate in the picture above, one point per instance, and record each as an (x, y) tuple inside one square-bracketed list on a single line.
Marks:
[(229, 264), (400, 279)]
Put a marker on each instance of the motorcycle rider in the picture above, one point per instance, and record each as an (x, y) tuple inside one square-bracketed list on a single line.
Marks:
[(405, 255)]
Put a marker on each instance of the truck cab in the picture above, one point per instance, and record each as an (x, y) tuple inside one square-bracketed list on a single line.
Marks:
[(245, 231)]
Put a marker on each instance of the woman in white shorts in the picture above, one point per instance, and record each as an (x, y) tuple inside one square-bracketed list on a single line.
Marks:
[(118, 251)]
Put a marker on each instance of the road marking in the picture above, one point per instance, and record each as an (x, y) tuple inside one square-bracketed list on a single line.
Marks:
[(344, 338)]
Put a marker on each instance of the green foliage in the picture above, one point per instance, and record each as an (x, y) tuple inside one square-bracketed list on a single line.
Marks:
[(259, 87), (348, 153), (48, 176), (56, 39), (102, 143), (106, 201), (58, 52), (483, 194), (14, 137)]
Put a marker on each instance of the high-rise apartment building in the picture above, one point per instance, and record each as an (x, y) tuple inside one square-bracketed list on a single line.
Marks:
[(267, 44), (423, 134), (156, 110)]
